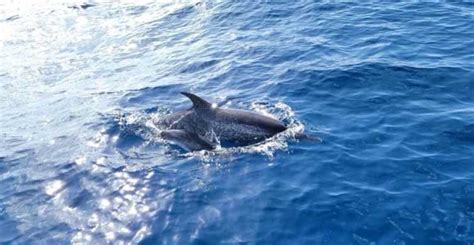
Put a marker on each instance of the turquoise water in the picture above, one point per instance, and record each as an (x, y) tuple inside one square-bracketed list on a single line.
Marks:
[(388, 87)]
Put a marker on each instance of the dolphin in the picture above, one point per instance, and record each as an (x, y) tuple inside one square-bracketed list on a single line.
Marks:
[(205, 125)]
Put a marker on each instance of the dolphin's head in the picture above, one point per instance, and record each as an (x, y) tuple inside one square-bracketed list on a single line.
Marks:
[(186, 140)]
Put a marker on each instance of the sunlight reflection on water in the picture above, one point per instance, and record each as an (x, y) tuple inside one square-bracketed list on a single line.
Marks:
[(53, 187)]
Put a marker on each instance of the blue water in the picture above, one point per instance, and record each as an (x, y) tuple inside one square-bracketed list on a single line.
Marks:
[(387, 87)]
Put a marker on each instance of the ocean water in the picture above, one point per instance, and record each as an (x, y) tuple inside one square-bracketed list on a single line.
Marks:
[(388, 87)]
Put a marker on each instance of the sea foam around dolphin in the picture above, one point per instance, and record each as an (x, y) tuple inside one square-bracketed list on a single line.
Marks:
[(142, 124)]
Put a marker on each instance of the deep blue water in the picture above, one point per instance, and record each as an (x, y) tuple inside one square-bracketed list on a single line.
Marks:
[(388, 87)]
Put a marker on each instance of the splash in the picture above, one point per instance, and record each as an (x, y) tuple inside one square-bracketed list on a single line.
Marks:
[(144, 125)]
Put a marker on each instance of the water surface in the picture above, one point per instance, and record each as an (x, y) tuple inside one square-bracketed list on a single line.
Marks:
[(388, 87)]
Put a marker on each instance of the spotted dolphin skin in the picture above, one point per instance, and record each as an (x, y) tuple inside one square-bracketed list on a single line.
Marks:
[(199, 127)]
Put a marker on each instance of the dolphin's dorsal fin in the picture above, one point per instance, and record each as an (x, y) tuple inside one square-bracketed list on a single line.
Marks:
[(198, 102)]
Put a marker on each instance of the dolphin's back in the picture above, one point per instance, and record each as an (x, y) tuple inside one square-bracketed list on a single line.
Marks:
[(236, 124), (253, 119), (202, 123)]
